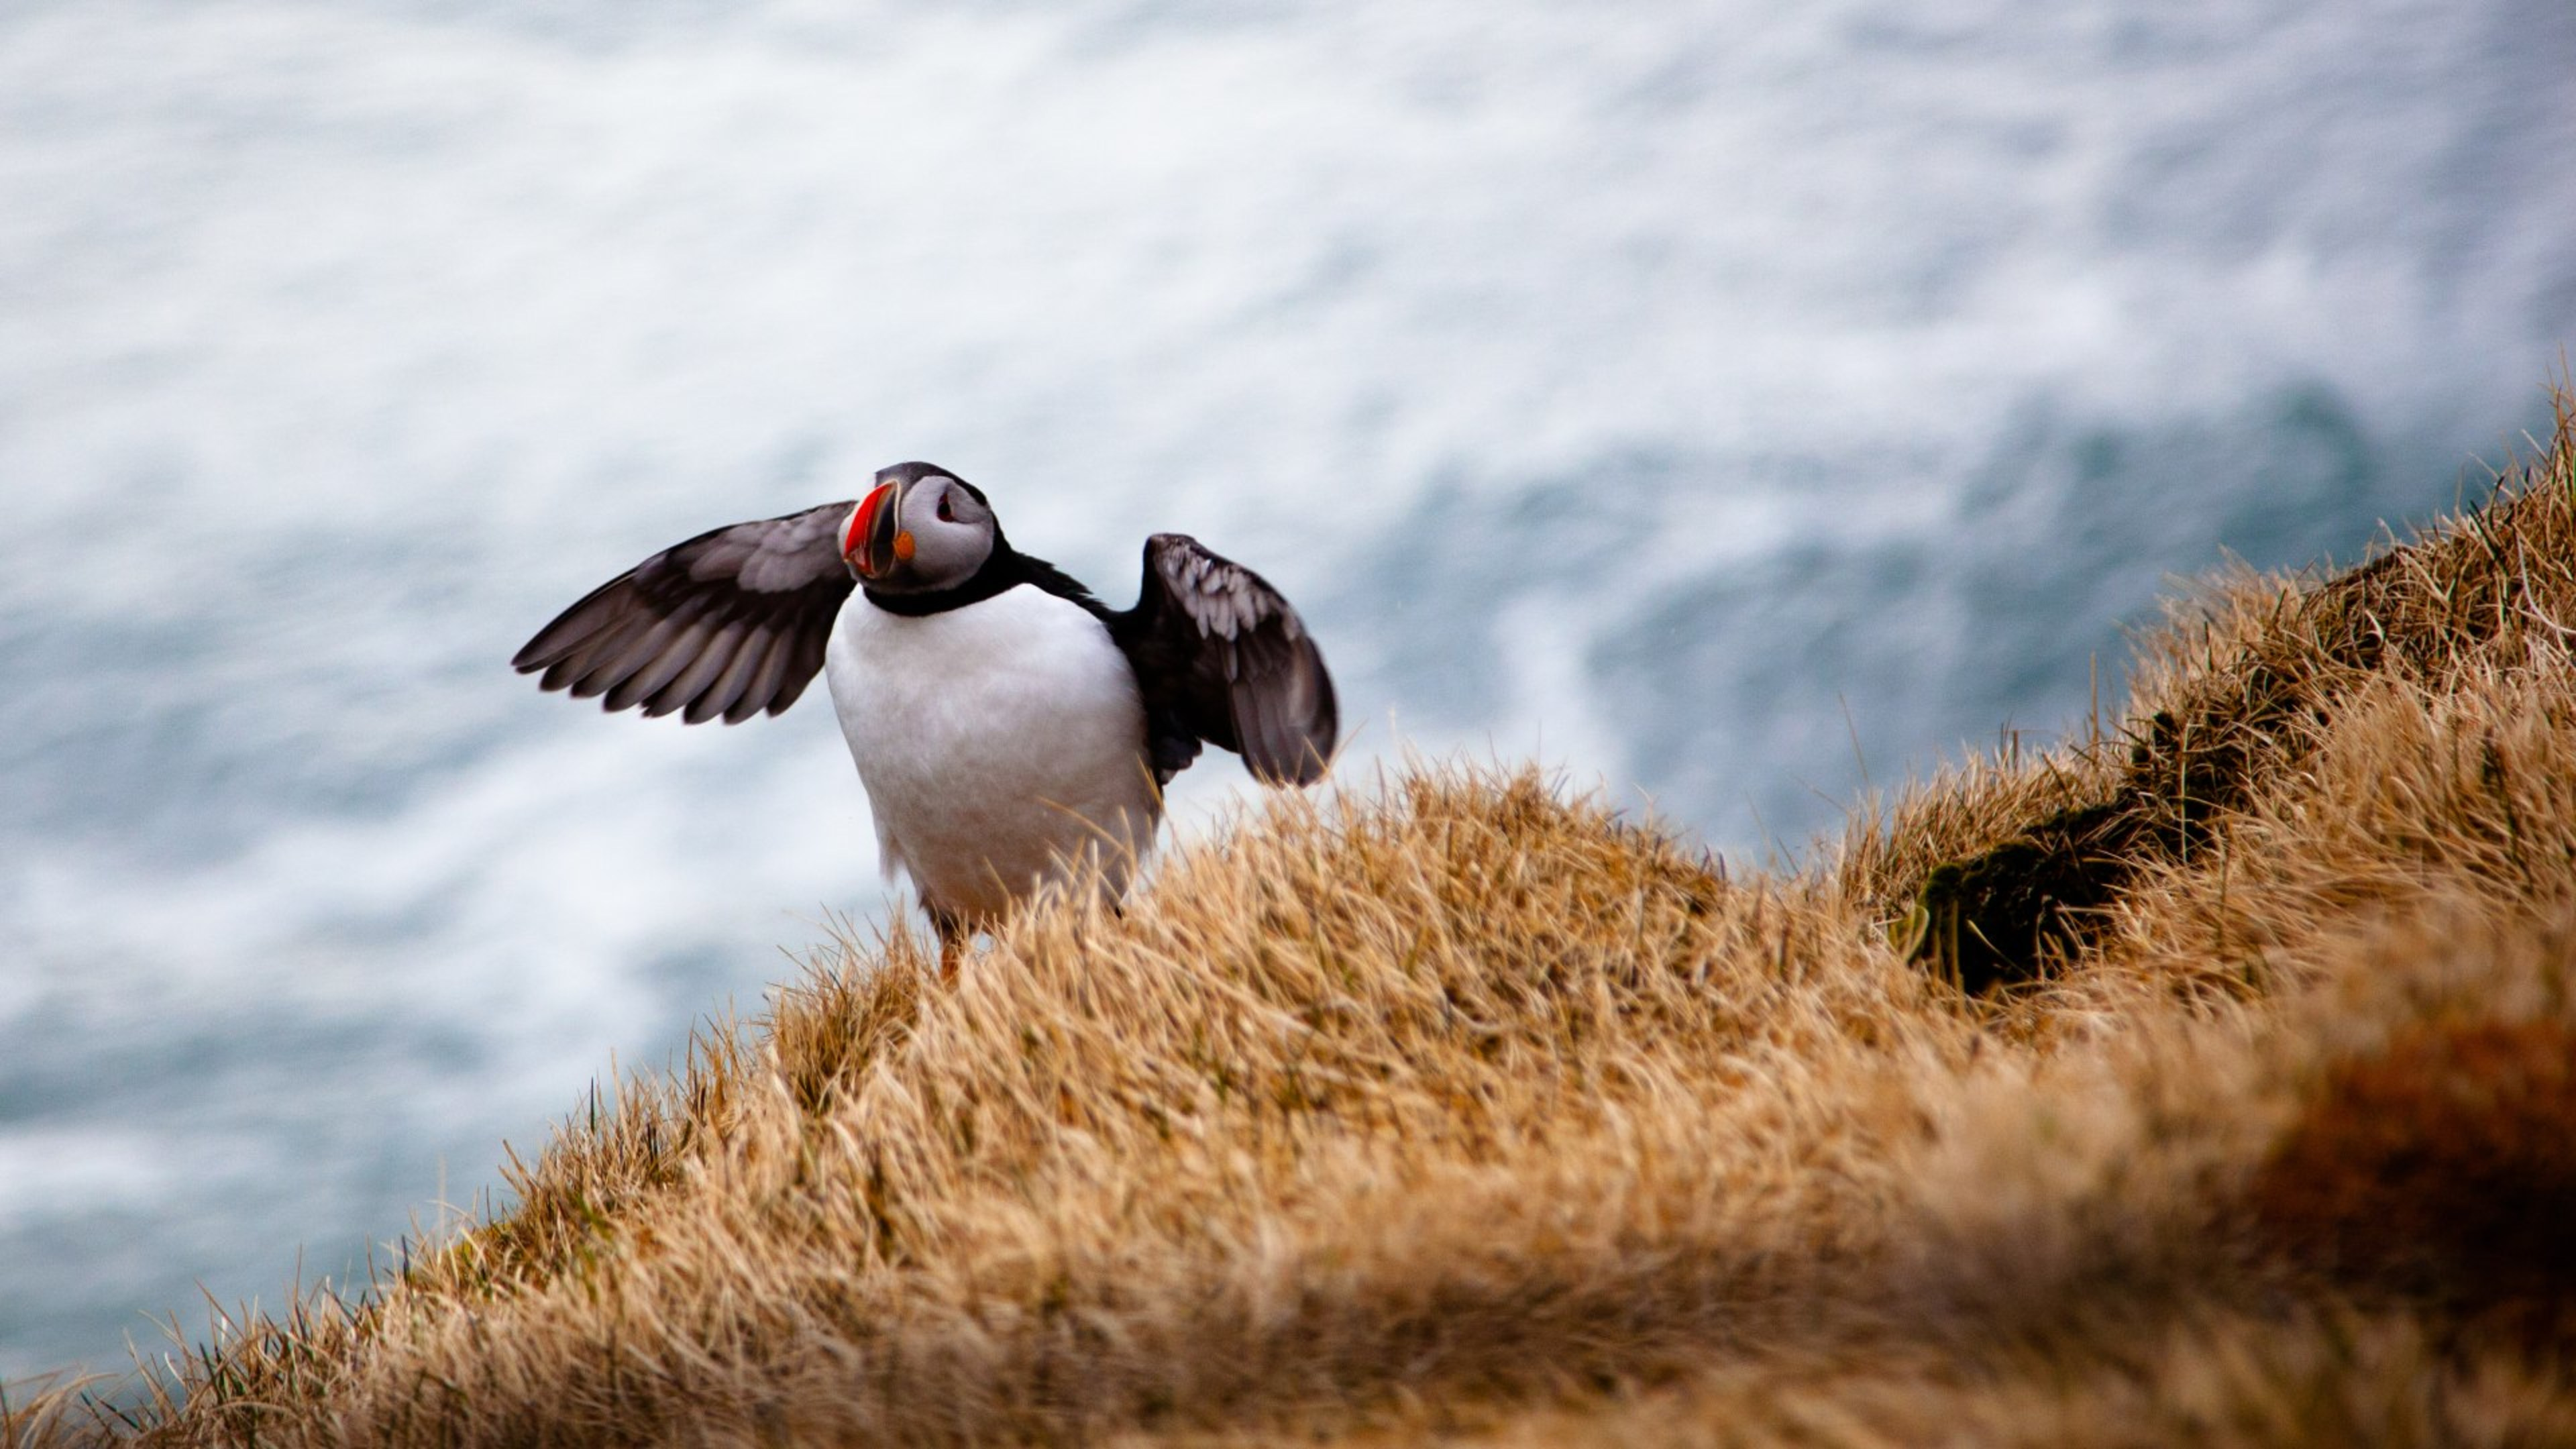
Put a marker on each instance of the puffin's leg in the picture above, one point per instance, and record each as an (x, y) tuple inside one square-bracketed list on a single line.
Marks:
[(954, 933)]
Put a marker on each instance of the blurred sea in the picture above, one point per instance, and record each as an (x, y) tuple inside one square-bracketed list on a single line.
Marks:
[(1648, 388)]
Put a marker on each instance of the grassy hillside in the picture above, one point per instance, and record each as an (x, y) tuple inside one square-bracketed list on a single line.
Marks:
[(1450, 1106)]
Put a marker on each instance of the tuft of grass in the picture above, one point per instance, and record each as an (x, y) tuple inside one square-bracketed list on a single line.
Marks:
[(2441, 1164), (1447, 1105), (2243, 685)]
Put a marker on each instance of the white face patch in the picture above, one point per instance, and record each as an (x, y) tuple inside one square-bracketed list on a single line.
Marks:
[(951, 532)]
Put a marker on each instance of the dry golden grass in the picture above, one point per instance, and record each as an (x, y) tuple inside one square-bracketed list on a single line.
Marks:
[(1449, 1107), (2440, 1164)]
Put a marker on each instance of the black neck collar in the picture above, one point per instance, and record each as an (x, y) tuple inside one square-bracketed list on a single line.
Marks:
[(1004, 568)]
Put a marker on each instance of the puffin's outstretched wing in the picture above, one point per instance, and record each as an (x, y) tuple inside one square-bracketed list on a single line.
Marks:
[(730, 623), (1219, 654)]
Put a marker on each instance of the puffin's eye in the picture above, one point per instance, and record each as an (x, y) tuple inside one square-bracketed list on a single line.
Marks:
[(946, 514)]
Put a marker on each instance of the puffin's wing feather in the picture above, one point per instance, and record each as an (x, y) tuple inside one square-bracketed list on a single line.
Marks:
[(730, 623), (1220, 653)]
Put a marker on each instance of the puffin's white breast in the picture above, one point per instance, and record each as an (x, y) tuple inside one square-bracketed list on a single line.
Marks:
[(997, 742)]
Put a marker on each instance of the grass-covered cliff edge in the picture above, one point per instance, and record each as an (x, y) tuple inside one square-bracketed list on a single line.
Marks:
[(1448, 1105)]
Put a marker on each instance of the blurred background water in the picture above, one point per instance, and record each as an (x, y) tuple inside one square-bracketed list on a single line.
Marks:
[(1649, 389)]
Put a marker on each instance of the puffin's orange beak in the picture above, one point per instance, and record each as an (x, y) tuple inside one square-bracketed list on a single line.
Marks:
[(871, 546)]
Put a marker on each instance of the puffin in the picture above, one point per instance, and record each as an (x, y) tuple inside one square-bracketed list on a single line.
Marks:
[(1011, 730)]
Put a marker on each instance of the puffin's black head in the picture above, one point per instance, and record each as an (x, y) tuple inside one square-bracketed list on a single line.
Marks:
[(921, 528)]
